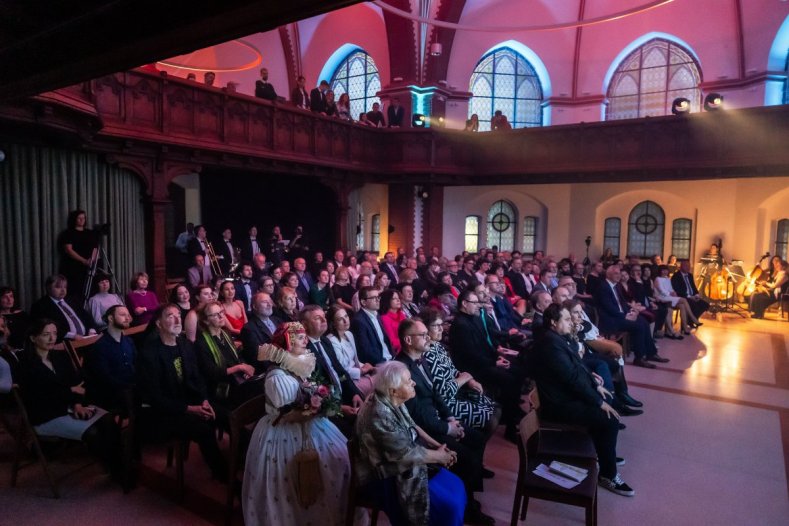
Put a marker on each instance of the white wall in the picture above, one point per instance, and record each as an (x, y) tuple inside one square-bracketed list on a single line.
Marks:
[(375, 200), (743, 213)]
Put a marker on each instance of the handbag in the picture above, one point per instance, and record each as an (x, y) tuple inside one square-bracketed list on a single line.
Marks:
[(306, 473)]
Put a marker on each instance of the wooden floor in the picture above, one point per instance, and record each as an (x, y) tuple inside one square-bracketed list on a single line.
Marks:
[(711, 448)]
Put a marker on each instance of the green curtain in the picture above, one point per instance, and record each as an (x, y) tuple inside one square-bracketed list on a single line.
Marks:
[(40, 186)]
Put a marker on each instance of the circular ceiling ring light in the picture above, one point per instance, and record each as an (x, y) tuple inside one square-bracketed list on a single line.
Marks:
[(510, 29), (256, 60)]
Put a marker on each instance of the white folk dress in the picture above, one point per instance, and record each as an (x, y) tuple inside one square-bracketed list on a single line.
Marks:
[(267, 496)]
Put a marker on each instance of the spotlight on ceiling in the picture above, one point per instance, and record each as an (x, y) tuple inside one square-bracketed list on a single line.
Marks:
[(680, 106), (418, 120), (713, 102), (436, 48)]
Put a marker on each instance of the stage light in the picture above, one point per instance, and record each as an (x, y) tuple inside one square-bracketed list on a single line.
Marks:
[(418, 121), (680, 106), (713, 102)]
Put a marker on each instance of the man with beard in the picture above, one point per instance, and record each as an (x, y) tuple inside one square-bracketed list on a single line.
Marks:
[(258, 330), (109, 365)]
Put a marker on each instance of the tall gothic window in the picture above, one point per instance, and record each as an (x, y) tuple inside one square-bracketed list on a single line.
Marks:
[(681, 230), (649, 79), (360, 229), (782, 239), (375, 233), (529, 235), (645, 230), (471, 232), (611, 232), (501, 226), (357, 76), (504, 80)]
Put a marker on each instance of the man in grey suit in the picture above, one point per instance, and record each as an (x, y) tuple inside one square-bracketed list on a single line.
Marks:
[(258, 330), (199, 273)]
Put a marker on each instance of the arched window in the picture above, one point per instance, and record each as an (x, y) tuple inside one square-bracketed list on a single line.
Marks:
[(529, 235), (472, 234), (649, 79), (504, 80), (375, 233), (360, 223), (501, 226), (782, 239), (357, 76), (645, 230), (611, 232), (681, 230)]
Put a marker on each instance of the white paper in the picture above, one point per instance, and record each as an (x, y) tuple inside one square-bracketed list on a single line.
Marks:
[(543, 471)]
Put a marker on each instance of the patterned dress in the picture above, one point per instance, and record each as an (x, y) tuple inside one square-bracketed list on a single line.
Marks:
[(467, 405), (268, 497)]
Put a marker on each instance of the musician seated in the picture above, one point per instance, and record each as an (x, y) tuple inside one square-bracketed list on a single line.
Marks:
[(770, 291), (683, 284), (198, 273)]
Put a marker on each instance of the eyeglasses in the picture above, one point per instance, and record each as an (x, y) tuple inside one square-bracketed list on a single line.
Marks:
[(437, 325), (418, 334), (216, 314)]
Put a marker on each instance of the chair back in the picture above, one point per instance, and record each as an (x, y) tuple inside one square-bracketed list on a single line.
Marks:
[(244, 415), (77, 349), (137, 334)]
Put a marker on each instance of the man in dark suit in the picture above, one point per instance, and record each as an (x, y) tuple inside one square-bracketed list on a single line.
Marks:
[(684, 285), (263, 88), (465, 276), (390, 268), (570, 394), (473, 350), (507, 317), (544, 285), (517, 279), (395, 114), (615, 315), (250, 244), (372, 344), (246, 287), (305, 280), (260, 267), (71, 319), (326, 363), (225, 252), (258, 330), (299, 96), (431, 414), (318, 98)]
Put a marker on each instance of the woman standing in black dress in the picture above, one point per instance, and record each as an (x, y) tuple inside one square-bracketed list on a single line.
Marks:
[(78, 248)]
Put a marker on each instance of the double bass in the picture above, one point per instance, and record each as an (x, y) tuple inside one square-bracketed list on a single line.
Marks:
[(754, 280)]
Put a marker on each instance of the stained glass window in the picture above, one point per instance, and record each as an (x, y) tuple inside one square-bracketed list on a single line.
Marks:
[(357, 76), (504, 80), (782, 239), (375, 233), (501, 226), (681, 230), (645, 230), (611, 232), (472, 234), (649, 79), (529, 235)]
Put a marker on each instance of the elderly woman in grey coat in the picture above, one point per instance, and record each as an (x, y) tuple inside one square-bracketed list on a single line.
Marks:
[(398, 463)]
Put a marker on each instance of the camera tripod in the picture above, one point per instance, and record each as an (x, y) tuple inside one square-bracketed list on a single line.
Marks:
[(94, 266)]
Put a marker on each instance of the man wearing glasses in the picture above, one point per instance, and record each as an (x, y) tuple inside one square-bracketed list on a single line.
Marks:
[(431, 414), (474, 350), (372, 344)]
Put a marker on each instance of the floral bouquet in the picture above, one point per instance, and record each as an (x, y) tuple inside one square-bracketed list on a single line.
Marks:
[(316, 397)]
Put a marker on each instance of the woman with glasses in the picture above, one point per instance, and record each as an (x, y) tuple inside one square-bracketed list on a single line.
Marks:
[(462, 394), (220, 363)]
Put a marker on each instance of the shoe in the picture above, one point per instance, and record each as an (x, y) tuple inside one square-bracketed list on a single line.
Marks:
[(657, 358), (640, 362), (617, 485), (475, 516), (697, 324), (686, 331), (622, 426), (658, 336), (629, 400), (629, 411), (675, 337), (487, 474), (620, 461)]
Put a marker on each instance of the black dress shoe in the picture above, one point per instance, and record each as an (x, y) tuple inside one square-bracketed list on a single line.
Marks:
[(487, 474), (657, 358), (629, 411), (697, 325), (639, 362), (629, 400)]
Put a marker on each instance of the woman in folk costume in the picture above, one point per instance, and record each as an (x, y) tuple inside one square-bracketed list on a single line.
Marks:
[(297, 469)]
